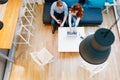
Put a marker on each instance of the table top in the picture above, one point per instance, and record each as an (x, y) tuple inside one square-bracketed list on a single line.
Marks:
[(9, 20), (69, 43)]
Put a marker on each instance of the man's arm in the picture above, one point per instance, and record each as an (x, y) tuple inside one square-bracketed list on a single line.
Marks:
[(53, 17), (65, 14), (58, 21), (64, 19), (52, 13)]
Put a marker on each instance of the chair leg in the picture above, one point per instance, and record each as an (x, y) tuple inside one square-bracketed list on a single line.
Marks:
[(92, 69)]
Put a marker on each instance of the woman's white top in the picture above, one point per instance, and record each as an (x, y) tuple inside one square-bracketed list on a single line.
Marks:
[(70, 19)]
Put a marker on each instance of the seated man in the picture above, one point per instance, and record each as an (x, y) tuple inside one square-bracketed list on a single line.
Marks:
[(58, 12)]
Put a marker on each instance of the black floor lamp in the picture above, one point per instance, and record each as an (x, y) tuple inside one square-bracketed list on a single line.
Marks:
[(96, 48), (2, 2)]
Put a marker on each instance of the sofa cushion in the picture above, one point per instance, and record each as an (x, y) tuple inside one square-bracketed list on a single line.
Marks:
[(94, 3), (110, 1), (71, 2), (91, 16), (81, 1)]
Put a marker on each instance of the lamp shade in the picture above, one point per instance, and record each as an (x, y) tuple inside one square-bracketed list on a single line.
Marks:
[(3, 1), (1, 25), (96, 48)]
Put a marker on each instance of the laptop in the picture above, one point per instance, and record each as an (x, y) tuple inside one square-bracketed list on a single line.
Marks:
[(72, 31)]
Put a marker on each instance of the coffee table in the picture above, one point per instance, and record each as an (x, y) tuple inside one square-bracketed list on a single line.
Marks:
[(69, 43)]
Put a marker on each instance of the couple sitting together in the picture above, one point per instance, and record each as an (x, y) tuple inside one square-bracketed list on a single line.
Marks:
[(59, 13)]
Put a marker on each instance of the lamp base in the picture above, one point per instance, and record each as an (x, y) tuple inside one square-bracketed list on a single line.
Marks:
[(1, 25), (3, 1)]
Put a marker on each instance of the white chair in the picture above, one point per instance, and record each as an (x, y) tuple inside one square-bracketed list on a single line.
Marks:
[(23, 34), (27, 14), (30, 4), (92, 69), (108, 5), (43, 57), (25, 24)]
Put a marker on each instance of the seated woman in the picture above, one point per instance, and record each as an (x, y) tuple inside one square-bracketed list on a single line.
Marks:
[(75, 14)]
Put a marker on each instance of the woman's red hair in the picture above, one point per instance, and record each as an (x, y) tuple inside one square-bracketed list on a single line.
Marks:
[(77, 7)]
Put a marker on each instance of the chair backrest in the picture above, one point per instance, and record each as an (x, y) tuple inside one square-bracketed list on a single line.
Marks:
[(93, 69), (43, 57)]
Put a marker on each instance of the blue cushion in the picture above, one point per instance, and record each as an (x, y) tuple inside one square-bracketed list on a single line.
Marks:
[(71, 2), (81, 1), (91, 16), (94, 3), (110, 1)]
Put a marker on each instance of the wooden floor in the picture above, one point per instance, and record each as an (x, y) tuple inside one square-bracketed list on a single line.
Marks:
[(66, 65)]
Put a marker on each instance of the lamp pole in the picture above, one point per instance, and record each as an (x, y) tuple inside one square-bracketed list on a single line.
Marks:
[(95, 48), (106, 33)]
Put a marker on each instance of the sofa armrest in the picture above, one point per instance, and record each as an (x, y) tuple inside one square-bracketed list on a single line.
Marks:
[(81, 1), (50, 1), (46, 13)]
